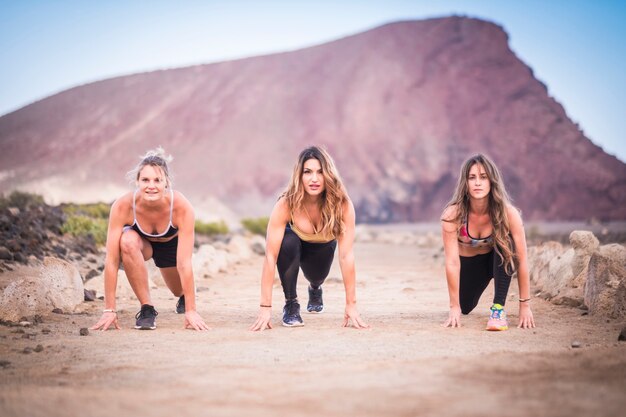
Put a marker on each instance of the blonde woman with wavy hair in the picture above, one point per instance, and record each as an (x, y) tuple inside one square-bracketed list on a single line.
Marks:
[(151, 222), (310, 218), (484, 239)]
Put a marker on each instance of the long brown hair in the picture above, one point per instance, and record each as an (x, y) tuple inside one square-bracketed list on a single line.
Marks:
[(497, 206), (333, 197)]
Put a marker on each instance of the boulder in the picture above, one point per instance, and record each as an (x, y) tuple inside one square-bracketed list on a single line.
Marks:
[(584, 244), (539, 258), (605, 287), (58, 285), (257, 244), (208, 260), (239, 248), (559, 274)]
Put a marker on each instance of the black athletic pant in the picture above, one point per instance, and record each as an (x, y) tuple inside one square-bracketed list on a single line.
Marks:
[(476, 272), (315, 260)]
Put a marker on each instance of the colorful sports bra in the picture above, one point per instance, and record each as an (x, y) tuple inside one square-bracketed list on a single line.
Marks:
[(315, 237), (171, 230), (465, 239)]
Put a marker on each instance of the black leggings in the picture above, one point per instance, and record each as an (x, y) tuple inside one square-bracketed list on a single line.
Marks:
[(315, 260), (476, 272)]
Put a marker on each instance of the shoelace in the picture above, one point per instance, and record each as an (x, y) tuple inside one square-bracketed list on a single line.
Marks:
[(496, 314), (146, 312), (292, 309)]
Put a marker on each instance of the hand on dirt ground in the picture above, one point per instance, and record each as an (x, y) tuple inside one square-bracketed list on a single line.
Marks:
[(351, 315), (106, 320), (526, 319), (454, 318), (263, 320), (194, 321)]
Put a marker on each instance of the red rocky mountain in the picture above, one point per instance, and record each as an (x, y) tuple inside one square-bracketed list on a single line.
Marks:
[(399, 107)]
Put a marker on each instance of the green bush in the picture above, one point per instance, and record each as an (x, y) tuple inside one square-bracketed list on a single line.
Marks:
[(211, 228), (84, 226), (257, 226), (94, 210), (21, 200)]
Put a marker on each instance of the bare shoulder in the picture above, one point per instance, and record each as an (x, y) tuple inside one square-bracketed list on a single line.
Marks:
[(449, 213), (122, 207), (347, 206), (448, 218), (280, 212), (513, 213), (182, 206)]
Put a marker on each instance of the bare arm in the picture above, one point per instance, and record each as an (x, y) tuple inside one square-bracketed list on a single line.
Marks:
[(523, 277), (348, 271), (453, 265), (184, 218), (274, 238), (117, 220)]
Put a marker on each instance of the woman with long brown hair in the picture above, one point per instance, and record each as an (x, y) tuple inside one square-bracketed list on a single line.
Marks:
[(310, 218), (484, 239)]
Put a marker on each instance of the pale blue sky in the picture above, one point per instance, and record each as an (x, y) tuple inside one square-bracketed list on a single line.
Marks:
[(576, 47)]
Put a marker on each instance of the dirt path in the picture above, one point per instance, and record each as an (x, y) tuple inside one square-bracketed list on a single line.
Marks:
[(407, 365)]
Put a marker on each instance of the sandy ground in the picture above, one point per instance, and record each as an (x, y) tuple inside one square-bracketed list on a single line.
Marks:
[(406, 365)]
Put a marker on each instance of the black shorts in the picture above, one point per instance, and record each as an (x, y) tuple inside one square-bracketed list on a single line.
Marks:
[(164, 253)]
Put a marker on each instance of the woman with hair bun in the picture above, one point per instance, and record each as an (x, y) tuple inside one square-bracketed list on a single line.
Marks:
[(483, 238), (154, 221), (309, 220)]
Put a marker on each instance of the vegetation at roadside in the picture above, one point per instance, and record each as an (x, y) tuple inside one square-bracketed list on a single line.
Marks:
[(211, 228), (257, 225), (20, 200)]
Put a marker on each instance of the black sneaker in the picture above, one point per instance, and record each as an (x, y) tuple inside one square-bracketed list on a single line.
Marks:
[(180, 305), (291, 314), (146, 318), (316, 304)]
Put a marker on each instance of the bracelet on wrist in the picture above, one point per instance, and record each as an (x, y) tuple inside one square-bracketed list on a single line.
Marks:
[(266, 306), (523, 300), (109, 310)]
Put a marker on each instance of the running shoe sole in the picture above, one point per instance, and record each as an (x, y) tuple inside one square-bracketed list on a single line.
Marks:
[(497, 328), (145, 327), (315, 312), (293, 325)]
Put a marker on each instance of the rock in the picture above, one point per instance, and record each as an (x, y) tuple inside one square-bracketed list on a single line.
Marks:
[(576, 344), (91, 274), (90, 295), (39, 348), (239, 247), (57, 311), (605, 287), (4, 364), (584, 244), (25, 323), (559, 274), (5, 254), (45, 331), (58, 285), (539, 258), (622, 335), (27, 350), (208, 260), (84, 331), (257, 244)]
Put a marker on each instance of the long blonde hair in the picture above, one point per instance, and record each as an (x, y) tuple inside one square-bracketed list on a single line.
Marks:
[(497, 207), (156, 158), (334, 194)]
